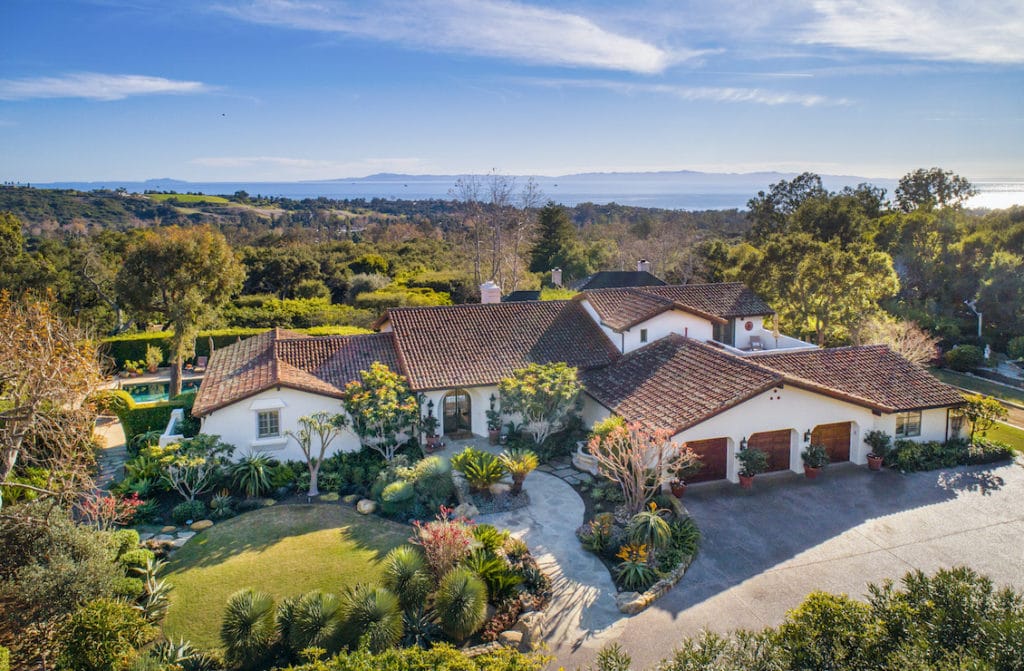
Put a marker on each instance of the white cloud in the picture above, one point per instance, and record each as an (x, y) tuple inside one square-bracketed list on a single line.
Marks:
[(950, 30), (286, 167), (94, 86), (495, 28), (723, 94)]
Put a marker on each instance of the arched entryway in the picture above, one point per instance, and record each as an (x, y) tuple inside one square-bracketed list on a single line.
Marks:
[(457, 415)]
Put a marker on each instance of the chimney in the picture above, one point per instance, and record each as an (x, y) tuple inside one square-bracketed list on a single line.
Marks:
[(556, 276), (643, 266), (490, 292)]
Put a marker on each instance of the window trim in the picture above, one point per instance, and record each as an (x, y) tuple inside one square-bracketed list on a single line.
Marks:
[(910, 418), (276, 414)]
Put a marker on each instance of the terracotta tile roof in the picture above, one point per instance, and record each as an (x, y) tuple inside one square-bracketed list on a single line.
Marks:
[(623, 308), (321, 365), (676, 382), (870, 375), (470, 345), (608, 279)]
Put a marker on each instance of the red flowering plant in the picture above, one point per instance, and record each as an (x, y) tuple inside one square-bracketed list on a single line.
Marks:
[(446, 541), (105, 511)]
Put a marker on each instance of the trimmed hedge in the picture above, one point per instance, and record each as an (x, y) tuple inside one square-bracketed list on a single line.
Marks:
[(5, 659), (141, 418), (910, 456), (132, 347)]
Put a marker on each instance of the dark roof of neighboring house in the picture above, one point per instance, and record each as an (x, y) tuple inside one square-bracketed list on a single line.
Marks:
[(519, 296), (609, 279), (471, 345), (320, 365), (870, 375), (676, 382)]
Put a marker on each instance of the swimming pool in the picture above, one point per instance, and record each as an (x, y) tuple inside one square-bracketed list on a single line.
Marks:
[(152, 392)]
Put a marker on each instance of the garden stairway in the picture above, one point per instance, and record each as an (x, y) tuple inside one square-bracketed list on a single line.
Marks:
[(113, 452)]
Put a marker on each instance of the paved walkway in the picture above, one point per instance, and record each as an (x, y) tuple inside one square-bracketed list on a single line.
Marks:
[(583, 601), (113, 455), (764, 550)]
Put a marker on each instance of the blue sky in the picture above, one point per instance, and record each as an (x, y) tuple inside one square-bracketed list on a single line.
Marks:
[(220, 90)]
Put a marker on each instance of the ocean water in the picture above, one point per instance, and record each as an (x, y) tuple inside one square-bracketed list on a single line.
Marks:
[(677, 191)]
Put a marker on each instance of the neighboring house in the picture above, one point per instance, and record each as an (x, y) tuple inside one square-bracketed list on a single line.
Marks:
[(695, 360), (618, 279)]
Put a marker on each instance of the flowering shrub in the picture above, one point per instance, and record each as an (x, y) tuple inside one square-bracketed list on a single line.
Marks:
[(108, 511), (445, 541), (634, 574)]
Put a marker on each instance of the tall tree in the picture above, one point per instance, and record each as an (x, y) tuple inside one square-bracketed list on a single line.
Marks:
[(556, 239), (769, 211), (932, 188), (180, 277), (47, 368)]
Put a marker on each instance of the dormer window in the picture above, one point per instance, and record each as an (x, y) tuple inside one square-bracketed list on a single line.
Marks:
[(643, 335)]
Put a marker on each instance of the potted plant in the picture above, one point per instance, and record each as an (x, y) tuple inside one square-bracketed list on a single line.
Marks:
[(880, 443), (752, 461), (493, 424), (154, 357), (678, 484), (430, 424), (815, 458)]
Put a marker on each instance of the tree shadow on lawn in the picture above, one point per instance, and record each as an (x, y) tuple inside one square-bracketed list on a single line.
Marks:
[(745, 533), (260, 530)]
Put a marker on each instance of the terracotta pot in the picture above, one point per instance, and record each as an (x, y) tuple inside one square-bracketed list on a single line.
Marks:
[(746, 481), (493, 436), (678, 489), (874, 463), (811, 472)]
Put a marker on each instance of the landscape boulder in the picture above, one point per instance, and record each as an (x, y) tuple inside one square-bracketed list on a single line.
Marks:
[(201, 525), (366, 507)]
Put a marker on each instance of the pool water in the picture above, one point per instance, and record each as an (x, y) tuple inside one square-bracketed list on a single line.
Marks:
[(152, 392)]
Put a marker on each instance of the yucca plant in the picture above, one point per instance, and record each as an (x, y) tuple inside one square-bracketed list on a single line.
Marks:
[(315, 622), (405, 574), (248, 630), (373, 615), (649, 528), (482, 469), (461, 603), (519, 463), (252, 474)]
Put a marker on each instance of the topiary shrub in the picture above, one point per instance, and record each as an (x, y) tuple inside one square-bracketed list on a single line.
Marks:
[(124, 540), (5, 659), (188, 510), (136, 558), (396, 498), (129, 589), (964, 358)]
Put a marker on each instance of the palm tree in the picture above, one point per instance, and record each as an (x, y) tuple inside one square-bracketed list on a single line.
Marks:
[(315, 622), (406, 576), (373, 614), (461, 603), (519, 463), (249, 629)]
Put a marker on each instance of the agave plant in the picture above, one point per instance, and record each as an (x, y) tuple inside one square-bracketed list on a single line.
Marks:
[(374, 615), (182, 655), (220, 505), (315, 622), (248, 630), (482, 469), (252, 474), (405, 574), (154, 601), (461, 603), (649, 528), (420, 627), (519, 463)]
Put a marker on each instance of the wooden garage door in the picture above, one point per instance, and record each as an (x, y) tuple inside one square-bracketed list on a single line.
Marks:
[(714, 454), (835, 438), (776, 445)]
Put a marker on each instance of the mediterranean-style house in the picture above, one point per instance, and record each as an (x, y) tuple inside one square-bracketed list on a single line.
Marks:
[(697, 360)]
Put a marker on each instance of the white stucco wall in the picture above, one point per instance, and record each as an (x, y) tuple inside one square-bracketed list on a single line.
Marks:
[(593, 412), (236, 423), (933, 425), (743, 335), (659, 326)]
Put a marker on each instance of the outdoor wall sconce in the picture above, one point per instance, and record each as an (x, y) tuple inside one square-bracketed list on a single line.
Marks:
[(493, 399), (430, 408), (743, 443), (807, 436)]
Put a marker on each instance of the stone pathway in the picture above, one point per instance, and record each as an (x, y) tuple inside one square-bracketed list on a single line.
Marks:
[(582, 606), (113, 455)]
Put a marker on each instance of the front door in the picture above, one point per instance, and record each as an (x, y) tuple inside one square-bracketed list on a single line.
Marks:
[(457, 418)]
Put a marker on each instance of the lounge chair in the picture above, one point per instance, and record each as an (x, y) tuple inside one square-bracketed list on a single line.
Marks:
[(201, 362), (755, 344)]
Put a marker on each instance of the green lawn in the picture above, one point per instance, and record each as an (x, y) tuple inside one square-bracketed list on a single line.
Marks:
[(982, 386), (283, 550), (189, 198), (1010, 435)]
